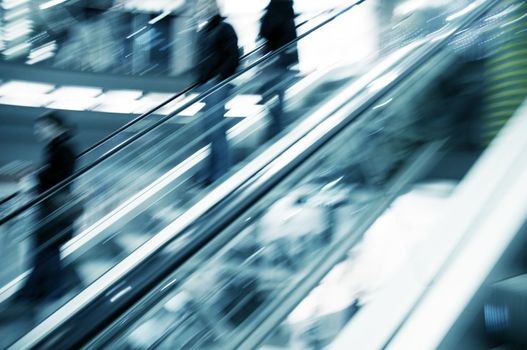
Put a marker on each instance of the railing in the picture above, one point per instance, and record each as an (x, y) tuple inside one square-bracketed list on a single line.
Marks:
[(67, 182)]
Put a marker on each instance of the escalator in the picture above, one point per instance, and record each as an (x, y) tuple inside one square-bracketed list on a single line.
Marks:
[(147, 174), (220, 275), (150, 106)]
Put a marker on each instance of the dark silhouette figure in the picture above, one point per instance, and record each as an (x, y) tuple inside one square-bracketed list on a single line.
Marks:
[(47, 280), (278, 29), (219, 58)]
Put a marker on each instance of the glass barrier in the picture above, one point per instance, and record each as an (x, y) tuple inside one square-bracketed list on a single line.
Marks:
[(300, 223), (131, 196), (380, 279), (127, 102)]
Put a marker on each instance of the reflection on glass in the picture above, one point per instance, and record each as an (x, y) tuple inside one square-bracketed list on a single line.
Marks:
[(137, 192), (142, 189), (300, 223)]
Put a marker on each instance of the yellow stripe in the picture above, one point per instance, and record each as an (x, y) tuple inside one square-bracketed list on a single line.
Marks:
[(510, 45), (506, 67), (499, 114), (498, 59), (507, 84), (519, 72), (498, 123), (507, 93), (510, 103), (509, 53), (492, 133)]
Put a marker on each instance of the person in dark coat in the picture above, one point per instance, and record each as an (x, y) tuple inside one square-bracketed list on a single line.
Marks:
[(46, 281), (218, 59), (278, 29)]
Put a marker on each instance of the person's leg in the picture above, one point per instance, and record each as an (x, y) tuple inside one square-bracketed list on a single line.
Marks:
[(277, 111), (32, 288), (274, 96), (70, 279), (46, 278), (214, 122), (52, 275), (206, 125), (219, 157)]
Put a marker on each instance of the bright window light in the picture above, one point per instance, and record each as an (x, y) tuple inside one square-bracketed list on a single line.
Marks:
[(11, 4), (22, 101), (471, 7), (383, 81), (192, 110), (243, 101), (244, 111), (21, 88), (119, 107), (42, 53), (73, 105), (120, 96), (16, 50), (154, 5), (178, 103), (75, 93), (156, 98), (74, 98), (50, 4), (13, 15)]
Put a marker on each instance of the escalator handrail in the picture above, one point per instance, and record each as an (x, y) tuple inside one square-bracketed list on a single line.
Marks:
[(9, 197), (68, 181)]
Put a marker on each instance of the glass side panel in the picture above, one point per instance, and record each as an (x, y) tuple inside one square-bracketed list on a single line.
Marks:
[(301, 222), (130, 197), (374, 287)]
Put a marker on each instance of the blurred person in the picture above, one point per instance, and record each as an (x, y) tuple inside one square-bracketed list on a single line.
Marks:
[(54, 23), (218, 59), (90, 43), (278, 28), (46, 281)]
